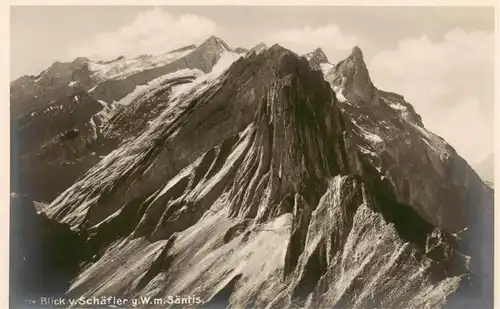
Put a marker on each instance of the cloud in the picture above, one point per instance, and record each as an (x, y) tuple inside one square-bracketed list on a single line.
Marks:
[(450, 83), (462, 127), (330, 38), (152, 32)]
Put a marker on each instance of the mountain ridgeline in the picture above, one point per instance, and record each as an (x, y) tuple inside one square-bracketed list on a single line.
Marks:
[(251, 178)]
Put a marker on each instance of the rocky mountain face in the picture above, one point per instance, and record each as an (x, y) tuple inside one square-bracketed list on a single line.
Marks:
[(267, 180), (52, 145), (31, 92), (258, 48), (202, 58), (316, 58), (419, 167), (70, 127)]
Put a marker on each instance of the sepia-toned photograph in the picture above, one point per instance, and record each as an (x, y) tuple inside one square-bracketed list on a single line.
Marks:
[(243, 156)]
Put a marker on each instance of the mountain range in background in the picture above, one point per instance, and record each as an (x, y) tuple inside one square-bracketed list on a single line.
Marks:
[(249, 178)]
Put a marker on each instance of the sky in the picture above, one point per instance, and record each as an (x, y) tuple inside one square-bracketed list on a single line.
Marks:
[(441, 59)]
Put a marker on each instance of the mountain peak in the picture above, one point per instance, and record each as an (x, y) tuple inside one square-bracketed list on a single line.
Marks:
[(213, 38), (259, 47), (241, 50), (214, 42), (277, 47), (352, 74), (316, 58), (318, 52), (356, 53)]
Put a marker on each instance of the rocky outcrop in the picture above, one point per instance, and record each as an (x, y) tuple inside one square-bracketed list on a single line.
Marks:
[(265, 188), (316, 58), (258, 48), (423, 171), (350, 76), (241, 50), (33, 92)]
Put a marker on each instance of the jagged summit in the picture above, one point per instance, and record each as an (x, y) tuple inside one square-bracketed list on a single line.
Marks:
[(316, 58), (350, 79), (356, 53), (276, 51), (214, 41), (213, 38), (317, 54), (352, 75), (277, 47), (258, 48), (241, 50)]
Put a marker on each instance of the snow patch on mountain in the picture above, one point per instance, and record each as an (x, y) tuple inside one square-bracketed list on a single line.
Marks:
[(203, 81), (339, 94), (397, 106), (124, 158), (226, 60), (326, 67), (369, 136), (94, 128), (338, 89), (155, 84), (122, 67), (259, 48)]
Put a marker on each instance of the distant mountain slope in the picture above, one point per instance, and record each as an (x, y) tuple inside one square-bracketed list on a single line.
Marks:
[(121, 102), (120, 76)]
